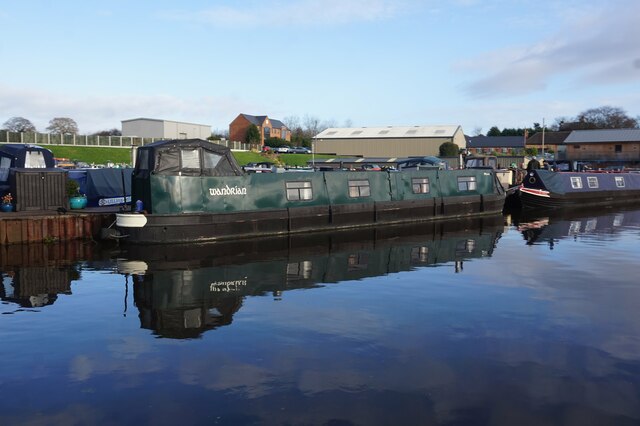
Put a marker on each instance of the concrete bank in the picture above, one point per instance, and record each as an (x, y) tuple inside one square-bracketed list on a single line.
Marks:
[(46, 226)]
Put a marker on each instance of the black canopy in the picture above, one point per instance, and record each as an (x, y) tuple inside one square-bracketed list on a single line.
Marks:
[(27, 156), (186, 157)]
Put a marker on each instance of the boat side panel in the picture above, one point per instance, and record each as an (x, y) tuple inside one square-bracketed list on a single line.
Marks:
[(165, 194), (408, 210), (337, 184), (403, 185)]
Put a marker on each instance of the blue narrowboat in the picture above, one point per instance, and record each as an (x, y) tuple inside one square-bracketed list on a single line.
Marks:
[(547, 189)]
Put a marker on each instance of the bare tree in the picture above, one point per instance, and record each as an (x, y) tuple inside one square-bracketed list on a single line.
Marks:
[(19, 124), (605, 117), (63, 126), (292, 122), (311, 125), (477, 131), (348, 122)]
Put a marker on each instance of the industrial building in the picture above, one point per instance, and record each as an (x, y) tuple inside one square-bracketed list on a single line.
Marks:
[(164, 129), (391, 141)]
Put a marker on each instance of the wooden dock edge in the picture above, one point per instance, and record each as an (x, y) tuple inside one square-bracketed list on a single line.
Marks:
[(19, 229)]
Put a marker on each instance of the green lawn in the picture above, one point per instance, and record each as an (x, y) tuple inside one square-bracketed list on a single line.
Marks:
[(103, 155), (95, 155)]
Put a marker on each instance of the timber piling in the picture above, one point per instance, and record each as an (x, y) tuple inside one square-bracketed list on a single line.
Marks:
[(47, 226)]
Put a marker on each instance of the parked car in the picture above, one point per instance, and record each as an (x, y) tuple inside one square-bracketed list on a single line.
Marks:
[(299, 150), (266, 148), (261, 167), (422, 163), (371, 168)]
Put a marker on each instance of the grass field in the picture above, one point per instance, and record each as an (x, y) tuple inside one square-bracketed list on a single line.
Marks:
[(95, 155), (104, 155)]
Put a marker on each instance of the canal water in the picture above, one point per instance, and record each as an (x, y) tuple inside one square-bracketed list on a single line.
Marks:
[(512, 320)]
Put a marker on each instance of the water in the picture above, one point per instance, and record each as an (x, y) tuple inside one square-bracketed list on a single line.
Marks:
[(502, 321)]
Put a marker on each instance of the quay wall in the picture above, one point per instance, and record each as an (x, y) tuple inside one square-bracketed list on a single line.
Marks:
[(17, 228)]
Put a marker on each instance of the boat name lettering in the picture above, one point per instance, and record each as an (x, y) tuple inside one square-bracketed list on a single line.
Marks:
[(227, 286), (227, 190)]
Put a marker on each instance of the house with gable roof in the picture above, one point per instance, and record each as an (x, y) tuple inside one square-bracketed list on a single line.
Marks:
[(268, 127)]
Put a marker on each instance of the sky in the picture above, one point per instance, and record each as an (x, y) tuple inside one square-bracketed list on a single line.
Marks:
[(474, 63)]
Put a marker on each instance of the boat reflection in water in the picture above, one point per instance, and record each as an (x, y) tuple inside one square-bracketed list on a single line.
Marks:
[(559, 224), (182, 291)]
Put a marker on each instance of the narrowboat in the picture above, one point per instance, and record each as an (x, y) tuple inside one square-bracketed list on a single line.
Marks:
[(194, 190), (547, 189)]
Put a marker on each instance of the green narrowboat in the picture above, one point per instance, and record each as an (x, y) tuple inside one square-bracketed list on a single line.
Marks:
[(193, 190)]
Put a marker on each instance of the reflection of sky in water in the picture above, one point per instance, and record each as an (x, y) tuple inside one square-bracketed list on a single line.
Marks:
[(535, 334)]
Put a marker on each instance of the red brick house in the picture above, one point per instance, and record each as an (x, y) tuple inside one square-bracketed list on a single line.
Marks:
[(268, 127)]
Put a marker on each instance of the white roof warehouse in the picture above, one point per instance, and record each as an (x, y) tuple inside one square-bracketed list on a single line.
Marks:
[(391, 141)]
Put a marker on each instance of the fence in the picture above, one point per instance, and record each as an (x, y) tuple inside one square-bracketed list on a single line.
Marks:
[(91, 140)]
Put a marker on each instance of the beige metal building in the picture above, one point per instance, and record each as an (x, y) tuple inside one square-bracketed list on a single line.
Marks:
[(164, 129), (391, 141)]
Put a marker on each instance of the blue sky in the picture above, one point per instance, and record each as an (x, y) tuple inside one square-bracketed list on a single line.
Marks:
[(476, 63)]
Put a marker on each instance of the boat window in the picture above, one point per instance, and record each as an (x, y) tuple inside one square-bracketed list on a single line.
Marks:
[(467, 183), (576, 182), (359, 188), (592, 181), (420, 254), (211, 159), (168, 162), (420, 185), (5, 165), (299, 191), (357, 262), (142, 162), (34, 160), (620, 181), (190, 158)]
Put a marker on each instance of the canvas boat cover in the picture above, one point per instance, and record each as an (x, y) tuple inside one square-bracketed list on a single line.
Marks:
[(186, 157), (104, 187)]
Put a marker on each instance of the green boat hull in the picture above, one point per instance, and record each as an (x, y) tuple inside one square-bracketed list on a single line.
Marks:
[(207, 208)]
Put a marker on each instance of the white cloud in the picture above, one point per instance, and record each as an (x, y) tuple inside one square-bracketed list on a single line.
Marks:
[(595, 48), (293, 13)]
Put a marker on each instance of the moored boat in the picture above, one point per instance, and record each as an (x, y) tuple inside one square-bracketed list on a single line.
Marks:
[(193, 190), (547, 189)]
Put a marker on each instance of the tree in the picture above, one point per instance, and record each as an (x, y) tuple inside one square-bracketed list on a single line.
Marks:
[(605, 117), (111, 132), (19, 124), (531, 152), (253, 135), (494, 131), (63, 126), (449, 149)]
